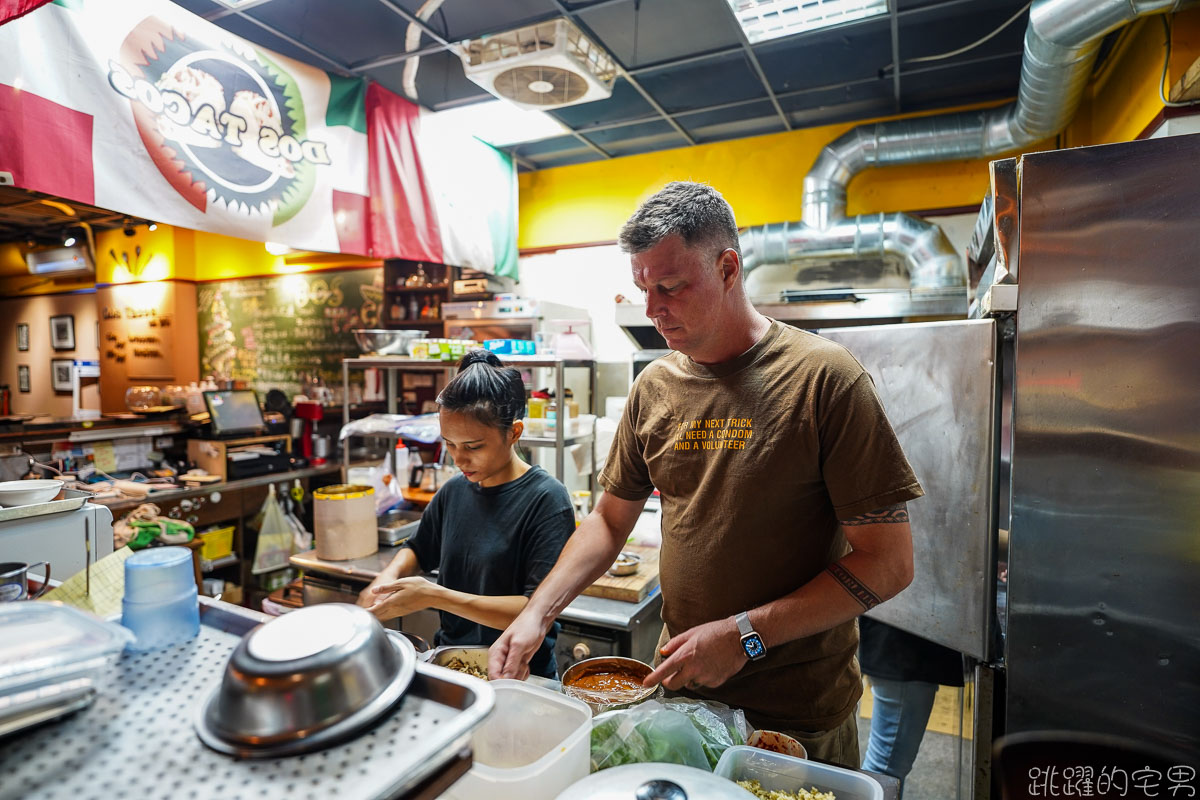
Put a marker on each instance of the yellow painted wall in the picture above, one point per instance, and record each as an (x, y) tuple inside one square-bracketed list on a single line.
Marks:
[(761, 176), (181, 254), (145, 256), (12, 260)]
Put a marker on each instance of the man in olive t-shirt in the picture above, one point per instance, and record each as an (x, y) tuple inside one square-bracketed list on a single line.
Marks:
[(782, 483)]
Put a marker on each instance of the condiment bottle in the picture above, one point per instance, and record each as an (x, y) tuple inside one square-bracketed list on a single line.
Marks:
[(551, 416), (572, 405), (537, 404)]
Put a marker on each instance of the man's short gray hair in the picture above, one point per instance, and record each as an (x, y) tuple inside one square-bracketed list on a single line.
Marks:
[(695, 211)]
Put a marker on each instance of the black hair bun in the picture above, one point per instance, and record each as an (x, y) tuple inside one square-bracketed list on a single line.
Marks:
[(480, 357)]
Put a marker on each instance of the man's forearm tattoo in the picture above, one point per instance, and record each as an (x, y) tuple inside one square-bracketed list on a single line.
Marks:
[(884, 516), (857, 589)]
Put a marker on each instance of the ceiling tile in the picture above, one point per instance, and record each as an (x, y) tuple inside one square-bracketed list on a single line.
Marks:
[(566, 159), (440, 80), (458, 19), (240, 26), (659, 30), (350, 31), (625, 104), (738, 129), (800, 108), (941, 30), (698, 84), (615, 137), (548, 147), (994, 79), (757, 108), (827, 57), (647, 144)]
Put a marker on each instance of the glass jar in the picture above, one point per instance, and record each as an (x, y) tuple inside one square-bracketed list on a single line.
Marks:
[(140, 398), (537, 405)]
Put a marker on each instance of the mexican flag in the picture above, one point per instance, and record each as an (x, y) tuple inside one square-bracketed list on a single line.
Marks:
[(143, 108), (438, 194)]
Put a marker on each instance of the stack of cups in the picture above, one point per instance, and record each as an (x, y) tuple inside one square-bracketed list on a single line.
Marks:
[(160, 604)]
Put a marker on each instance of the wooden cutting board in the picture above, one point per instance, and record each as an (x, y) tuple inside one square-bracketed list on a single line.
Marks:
[(630, 588)]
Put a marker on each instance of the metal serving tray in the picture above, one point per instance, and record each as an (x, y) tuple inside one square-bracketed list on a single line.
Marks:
[(137, 739), (72, 499)]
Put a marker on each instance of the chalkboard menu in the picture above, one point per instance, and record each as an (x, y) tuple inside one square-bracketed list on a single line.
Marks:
[(281, 331)]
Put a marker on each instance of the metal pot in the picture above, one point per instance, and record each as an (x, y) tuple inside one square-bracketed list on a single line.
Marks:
[(654, 782), (306, 680)]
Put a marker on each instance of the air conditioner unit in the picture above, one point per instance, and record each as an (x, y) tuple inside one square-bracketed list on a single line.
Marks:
[(61, 262), (540, 67)]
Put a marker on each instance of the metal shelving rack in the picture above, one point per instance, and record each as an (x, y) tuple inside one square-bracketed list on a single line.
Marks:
[(561, 439)]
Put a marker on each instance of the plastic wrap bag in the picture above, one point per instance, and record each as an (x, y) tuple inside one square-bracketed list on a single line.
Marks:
[(274, 537), (388, 494), (675, 731), (425, 428)]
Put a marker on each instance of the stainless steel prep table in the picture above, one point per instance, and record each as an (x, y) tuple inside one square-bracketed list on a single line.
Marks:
[(137, 739)]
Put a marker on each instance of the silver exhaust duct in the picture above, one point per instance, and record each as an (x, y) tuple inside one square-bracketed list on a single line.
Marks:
[(1061, 43)]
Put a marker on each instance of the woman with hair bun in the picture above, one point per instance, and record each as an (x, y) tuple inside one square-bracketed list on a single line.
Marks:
[(492, 532)]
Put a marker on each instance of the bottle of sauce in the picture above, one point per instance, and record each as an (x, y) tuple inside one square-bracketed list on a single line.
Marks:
[(538, 400)]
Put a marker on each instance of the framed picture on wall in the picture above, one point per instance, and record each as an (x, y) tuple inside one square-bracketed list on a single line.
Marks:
[(60, 373), (23, 378), (22, 336), (62, 332)]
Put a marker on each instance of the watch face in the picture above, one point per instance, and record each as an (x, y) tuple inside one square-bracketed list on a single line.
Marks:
[(753, 645)]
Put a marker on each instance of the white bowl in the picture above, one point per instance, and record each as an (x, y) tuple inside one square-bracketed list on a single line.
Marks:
[(22, 493)]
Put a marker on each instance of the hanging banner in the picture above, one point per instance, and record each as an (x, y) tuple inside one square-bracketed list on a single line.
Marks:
[(438, 194), (11, 9), (145, 109)]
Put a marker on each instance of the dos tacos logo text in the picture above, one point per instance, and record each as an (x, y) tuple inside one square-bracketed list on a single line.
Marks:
[(225, 124)]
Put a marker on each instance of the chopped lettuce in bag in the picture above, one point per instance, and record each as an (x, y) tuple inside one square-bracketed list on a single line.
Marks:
[(674, 731)]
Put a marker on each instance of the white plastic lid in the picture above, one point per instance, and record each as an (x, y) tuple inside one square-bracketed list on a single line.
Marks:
[(654, 781), (41, 642)]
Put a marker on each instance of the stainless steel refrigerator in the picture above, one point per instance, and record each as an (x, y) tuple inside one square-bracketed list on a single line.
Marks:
[(1058, 440)]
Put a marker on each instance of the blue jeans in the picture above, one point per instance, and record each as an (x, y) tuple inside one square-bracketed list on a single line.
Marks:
[(898, 718)]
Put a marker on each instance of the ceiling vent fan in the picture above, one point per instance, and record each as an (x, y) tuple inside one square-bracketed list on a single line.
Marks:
[(540, 67)]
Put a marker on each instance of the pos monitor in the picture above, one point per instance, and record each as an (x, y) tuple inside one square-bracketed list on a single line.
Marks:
[(234, 411)]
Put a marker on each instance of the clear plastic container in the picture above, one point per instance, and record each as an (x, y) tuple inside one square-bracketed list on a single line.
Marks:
[(777, 772), (158, 573), (160, 605), (43, 644), (533, 745)]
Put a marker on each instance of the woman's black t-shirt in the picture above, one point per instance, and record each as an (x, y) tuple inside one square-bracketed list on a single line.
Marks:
[(495, 540)]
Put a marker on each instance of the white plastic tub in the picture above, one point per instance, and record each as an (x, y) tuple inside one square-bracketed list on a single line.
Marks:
[(534, 744), (777, 772)]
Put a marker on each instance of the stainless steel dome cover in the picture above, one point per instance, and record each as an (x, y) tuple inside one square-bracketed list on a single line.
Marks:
[(304, 681)]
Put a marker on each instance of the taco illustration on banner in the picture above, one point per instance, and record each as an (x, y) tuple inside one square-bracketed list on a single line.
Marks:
[(223, 122)]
